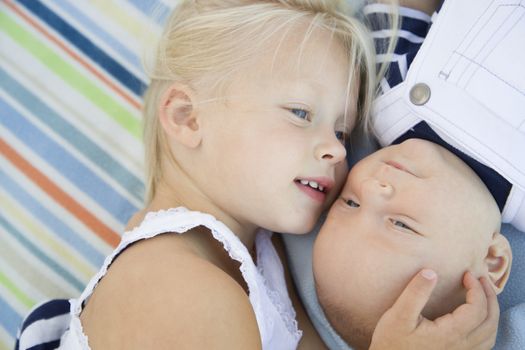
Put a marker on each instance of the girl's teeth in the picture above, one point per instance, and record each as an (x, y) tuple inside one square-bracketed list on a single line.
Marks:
[(312, 184)]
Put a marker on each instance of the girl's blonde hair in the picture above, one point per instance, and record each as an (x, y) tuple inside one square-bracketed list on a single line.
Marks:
[(205, 41)]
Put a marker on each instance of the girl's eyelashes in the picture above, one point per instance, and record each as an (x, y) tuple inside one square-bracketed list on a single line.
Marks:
[(305, 115), (301, 113), (342, 136)]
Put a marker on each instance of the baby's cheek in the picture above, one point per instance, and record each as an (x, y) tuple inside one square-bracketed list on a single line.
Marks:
[(448, 295), (341, 172), (330, 259)]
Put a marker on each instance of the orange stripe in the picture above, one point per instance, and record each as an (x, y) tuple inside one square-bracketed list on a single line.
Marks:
[(65, 200), (74, 55)]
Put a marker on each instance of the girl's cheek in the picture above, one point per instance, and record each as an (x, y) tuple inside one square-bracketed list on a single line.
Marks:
[(341, 172)]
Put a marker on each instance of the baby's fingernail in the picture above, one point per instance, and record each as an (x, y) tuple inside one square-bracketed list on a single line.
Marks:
[(428, 274)]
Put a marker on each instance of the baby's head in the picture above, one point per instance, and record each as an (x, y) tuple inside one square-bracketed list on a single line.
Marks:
[(405, 207), (249, 99)]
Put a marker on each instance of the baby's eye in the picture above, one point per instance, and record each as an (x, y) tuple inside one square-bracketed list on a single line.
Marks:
[(401, 224), (352, 203), (301, 113)]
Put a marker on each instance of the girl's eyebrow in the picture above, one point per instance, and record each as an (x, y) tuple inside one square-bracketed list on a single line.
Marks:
[(314, 87)]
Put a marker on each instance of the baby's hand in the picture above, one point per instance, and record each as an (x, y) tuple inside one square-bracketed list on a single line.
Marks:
[(472, 325)]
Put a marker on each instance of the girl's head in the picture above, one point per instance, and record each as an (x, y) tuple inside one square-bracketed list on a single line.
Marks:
[(249, 99)]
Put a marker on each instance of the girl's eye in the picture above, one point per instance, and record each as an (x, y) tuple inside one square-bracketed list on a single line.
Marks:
[(301, 113), (352, 203), (340, 135), (401, 224)]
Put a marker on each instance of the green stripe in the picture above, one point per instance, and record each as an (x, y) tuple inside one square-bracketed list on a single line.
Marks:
[(21, 296), (26, 269), (70, 75), (4, 346)]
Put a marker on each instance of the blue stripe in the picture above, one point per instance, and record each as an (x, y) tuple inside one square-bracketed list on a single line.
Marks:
[(46, 346), (66, 164), (77, 139), (153, 9), (86, 46), (10, 319), (100, 33), (403, 46), (54, 223), (39, 254), (377, 21), (393, 75)]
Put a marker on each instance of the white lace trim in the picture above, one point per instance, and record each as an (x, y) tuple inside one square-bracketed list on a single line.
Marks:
[(163, 221), (279, 298), (76, 327)]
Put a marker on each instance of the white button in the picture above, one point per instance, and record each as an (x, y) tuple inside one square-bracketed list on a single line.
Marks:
[(420, 94)]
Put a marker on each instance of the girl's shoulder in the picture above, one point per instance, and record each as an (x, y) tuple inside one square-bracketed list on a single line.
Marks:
[(188, 233), (178, 290)]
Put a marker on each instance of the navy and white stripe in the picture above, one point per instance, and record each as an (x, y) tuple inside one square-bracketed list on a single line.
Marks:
[(414, 26), (44, 326)]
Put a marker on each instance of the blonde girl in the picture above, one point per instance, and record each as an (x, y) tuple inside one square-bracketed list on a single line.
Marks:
[(245, 120)]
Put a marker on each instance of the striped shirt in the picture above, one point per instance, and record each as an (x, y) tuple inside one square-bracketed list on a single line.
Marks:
[(413, 30)]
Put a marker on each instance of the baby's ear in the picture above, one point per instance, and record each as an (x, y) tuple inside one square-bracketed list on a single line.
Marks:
[(498, 260), (178, 115)]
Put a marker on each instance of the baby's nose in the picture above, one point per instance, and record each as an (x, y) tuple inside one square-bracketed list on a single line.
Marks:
[(378, 188)]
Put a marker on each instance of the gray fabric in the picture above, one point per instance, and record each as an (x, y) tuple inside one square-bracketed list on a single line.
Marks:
[(299, 254), (514, 293), (511, 331)]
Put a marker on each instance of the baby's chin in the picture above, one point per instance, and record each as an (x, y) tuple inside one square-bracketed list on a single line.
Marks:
[(356, 325), (445, 299)]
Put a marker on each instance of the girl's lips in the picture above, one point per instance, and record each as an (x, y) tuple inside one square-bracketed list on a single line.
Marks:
[(316, 195), (316, 188)]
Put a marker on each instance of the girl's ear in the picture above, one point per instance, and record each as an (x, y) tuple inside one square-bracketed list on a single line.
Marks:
[(178, 115), (498, 260)]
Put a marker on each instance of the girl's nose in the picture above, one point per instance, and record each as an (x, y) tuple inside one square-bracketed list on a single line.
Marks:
[(330, 149)]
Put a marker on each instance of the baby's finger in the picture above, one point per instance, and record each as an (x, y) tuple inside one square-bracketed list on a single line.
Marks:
[(470, 315), (487, 331), (408, 306), (492, 302)]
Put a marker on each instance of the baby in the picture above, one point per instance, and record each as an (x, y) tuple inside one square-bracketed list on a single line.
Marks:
[(405, 207)]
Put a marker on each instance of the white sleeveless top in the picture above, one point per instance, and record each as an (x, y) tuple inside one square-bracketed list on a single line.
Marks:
[(266, 284)]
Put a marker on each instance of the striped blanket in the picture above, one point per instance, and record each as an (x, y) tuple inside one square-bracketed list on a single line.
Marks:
[(70, 142), (71, 81)]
